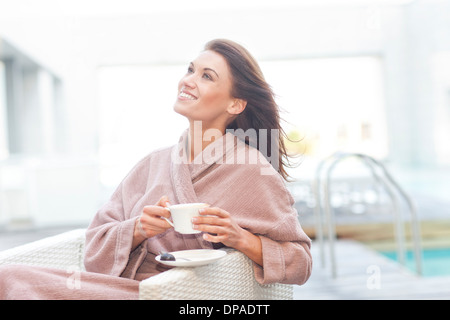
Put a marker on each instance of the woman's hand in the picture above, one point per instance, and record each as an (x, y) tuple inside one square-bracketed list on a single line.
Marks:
[(219, 226), (150, 222)]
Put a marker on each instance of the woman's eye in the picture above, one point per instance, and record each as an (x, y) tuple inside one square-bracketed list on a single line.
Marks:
[(190, 70), (207, 76)]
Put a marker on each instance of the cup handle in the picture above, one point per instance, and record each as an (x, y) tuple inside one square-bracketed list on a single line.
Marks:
[(170, 222)]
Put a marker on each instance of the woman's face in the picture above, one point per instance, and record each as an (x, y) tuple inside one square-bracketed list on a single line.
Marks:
[(204, 92)]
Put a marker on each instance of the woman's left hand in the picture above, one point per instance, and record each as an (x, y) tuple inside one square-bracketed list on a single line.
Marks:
[(219, 226), (213, 220)]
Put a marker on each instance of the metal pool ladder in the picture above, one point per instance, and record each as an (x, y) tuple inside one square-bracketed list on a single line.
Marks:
[(324, 213)]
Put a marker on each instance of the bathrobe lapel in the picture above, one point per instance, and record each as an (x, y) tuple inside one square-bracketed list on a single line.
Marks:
[(183, 174), (180, 174)]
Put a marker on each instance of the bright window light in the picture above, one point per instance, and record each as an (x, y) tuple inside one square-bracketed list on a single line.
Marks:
[(3, 120), (334, 104)]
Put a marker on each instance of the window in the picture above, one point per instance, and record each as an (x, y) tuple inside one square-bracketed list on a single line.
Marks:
[(3, 120), (335, 104), (441, 128), (28, 104), (136, 115), (332, 103)]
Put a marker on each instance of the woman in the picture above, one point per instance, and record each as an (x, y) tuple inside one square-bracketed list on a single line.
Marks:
[(223, 91)]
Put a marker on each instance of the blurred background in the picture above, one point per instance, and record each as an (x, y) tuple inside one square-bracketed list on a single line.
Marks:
[(87, 89)]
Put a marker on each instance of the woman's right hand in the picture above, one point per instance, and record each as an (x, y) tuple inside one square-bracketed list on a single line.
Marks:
[(150, 222)]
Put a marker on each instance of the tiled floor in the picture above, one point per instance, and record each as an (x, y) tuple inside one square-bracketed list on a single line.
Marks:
[(361, 272), (12, 238), (364, 274)]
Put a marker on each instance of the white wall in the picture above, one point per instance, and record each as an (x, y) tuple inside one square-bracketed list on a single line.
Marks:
[(3, 116), (78, 41), (405, 36)]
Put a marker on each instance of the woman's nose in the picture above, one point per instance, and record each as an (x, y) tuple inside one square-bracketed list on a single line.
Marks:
[(189, 81)]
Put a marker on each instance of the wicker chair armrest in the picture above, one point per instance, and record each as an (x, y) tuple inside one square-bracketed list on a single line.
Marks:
[(230, 278), (62, 251)]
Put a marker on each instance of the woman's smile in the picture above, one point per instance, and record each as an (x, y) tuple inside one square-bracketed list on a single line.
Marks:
[(186, 95)]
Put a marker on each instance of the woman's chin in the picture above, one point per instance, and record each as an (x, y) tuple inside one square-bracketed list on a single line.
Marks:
[(178, 109), (185, 112)]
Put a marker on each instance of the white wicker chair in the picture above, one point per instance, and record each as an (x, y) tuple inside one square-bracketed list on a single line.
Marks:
[(228, 278)]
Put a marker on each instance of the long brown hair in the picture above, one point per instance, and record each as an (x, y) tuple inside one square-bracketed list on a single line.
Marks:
[(261, 112)]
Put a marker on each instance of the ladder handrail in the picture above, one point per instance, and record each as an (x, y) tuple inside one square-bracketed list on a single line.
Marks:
[(389, 185)]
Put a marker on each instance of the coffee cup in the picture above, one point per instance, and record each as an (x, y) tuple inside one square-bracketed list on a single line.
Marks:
[(182, 215)]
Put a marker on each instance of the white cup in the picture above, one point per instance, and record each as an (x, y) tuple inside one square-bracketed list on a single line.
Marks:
[(182, 215)]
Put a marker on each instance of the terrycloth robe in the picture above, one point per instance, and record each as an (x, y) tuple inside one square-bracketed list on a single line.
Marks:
[(228, 174)]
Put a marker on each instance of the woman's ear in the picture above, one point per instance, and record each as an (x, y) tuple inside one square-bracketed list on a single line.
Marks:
[(237, 107)]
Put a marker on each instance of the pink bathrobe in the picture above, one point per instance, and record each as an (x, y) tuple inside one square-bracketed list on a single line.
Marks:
[(250, 190)]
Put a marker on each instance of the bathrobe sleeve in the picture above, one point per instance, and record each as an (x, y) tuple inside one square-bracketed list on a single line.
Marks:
[(286, 252), (271, 215), (285, 246), (109, 236)]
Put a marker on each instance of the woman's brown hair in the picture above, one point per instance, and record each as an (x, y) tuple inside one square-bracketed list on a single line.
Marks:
[(261, 112)]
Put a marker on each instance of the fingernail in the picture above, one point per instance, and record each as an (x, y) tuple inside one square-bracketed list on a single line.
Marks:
[(201, 210), (194, 220)]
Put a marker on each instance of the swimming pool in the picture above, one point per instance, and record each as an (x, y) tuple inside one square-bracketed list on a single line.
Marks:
[(436, 262)]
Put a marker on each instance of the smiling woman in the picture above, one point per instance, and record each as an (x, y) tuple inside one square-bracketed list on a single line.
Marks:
[(250, 208), (205, 93)]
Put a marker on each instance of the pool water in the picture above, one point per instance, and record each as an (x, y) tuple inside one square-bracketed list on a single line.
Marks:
[(436, 262)]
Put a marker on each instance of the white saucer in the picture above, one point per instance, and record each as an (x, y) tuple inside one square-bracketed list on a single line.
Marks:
[(195, 258)]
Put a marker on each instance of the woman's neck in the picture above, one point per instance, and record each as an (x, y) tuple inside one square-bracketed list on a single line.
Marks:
[(200, 137)]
